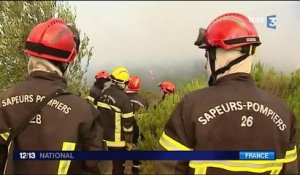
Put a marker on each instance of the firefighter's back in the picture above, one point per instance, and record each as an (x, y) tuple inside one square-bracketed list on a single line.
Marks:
[(236, 115), (63, 124), (138, 101), (112, 104), (95, 92)]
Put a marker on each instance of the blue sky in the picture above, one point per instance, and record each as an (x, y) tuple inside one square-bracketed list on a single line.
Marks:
[(143, 33)]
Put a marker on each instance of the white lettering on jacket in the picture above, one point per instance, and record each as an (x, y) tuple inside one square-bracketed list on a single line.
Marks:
[(30, 98), (240, 106)]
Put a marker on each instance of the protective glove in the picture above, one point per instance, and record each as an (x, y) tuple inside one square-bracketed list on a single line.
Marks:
[(129, 146)]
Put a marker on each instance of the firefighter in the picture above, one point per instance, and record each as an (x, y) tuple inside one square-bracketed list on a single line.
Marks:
[(102, 78), (133, 88), (167, 88), (232, 113), (117, 116), (138, 102), (66, 122)]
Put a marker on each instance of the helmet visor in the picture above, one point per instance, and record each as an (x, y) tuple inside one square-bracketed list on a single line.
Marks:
[(201, 40)]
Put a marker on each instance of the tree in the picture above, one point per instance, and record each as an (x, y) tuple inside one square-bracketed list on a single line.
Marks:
[(17, 18), (76, 71)]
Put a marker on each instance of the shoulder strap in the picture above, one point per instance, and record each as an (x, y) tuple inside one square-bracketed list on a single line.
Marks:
[(36, 110)]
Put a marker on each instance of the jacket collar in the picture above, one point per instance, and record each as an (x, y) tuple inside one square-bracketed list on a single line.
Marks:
[(54, 77), (116, 87), (236, 77)]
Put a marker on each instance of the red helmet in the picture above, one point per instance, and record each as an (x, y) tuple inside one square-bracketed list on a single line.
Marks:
[(51, 40), (102, 74), (167, 87), (228, 31), (134, 83)]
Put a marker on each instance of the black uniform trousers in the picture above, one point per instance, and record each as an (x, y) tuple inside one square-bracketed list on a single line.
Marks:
[(135, 163), (118, 165)]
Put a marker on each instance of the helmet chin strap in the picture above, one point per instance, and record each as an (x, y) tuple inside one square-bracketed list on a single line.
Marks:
[(121, 85), (246, 50), (212, 63), (61, 65)]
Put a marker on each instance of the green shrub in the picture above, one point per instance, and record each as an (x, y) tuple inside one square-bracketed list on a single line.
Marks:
[(152, 121)]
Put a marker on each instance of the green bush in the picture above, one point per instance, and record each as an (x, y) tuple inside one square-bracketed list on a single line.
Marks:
[(152, 121)]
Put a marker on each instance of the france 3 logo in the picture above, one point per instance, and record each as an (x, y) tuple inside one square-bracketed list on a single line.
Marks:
[(272, 21)]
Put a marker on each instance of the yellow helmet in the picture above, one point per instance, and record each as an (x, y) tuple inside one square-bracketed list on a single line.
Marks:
[(120, 75)]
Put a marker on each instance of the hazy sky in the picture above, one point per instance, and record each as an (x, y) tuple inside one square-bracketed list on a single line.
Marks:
[(163, 32)]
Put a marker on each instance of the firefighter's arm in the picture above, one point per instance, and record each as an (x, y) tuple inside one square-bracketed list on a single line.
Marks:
[(91, 100), (3, 157), (292, 154), (127, 120), (94, 142), (3, 137), (174, 138)]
